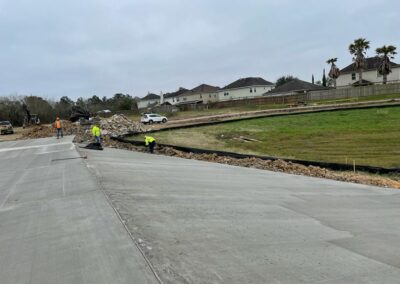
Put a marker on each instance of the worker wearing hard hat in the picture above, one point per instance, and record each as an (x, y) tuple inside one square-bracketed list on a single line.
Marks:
[(151, 142), (96, 133), (58, 126)]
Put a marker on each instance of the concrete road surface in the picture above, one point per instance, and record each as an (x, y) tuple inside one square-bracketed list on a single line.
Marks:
[(194, 222), (55, 224), (201, 222)]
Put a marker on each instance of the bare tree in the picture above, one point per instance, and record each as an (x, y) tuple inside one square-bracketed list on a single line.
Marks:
[(334, 73)]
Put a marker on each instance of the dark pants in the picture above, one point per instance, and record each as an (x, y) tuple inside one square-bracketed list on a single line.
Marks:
[(59, 133), (97, 139), (151, 146)]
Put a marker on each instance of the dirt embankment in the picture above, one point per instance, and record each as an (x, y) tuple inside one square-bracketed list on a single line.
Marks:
[(120, 125), (277, 166)]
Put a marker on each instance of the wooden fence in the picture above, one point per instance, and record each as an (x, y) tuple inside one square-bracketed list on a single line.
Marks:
[(354, 92), (295, 98)]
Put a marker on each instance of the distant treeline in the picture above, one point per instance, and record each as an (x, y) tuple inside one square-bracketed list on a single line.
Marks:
[(11, 108)]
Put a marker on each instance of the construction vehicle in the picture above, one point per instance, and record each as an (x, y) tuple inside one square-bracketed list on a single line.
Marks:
[(79, 113), (6, 127), (29, 119)]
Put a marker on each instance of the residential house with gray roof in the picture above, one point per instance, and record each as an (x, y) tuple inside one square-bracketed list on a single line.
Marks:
[(202, 94), (295, 86), (349, 75), (148, 101), (245, 88)]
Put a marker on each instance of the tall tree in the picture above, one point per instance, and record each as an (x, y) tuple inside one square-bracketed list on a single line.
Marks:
[(385, 53), (283, 80), (334, 73), (312, 78), (358, 49), (323, 78)]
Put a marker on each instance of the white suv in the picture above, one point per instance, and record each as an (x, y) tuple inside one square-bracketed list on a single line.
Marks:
[(152, 117)]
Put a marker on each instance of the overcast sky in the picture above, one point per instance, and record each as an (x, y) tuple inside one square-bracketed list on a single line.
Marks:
[(82, 48)]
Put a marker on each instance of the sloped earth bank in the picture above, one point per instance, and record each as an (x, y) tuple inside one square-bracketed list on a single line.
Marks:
[(277, 166), (119, 125)]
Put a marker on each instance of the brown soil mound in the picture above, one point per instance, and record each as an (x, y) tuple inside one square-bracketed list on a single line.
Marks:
[(42, 131)]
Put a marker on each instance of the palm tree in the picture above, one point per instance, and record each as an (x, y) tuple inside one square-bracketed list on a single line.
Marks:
[(358, 49), (334, 72), (385, 53)]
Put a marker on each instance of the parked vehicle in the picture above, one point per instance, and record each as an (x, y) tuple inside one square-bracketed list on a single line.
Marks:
[(151, 118), (6, 128)]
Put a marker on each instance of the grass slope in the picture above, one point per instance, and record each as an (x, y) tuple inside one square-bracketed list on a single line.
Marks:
[(370, 136)]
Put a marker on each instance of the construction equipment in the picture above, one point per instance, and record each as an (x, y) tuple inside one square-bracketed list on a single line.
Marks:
[(79, 113), (29, 119), (6, 127)]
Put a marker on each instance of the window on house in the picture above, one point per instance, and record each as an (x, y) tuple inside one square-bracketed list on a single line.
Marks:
[(209, 95), (353, 76), (255, 90), (251, 90), (201, 96), (184, 99)]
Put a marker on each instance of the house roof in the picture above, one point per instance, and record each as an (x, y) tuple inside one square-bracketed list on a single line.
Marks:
[(371, 63), (363, 83), (189, 103), (246, 82), (150, 97), (203, 88), (296, 85), (175, 94)]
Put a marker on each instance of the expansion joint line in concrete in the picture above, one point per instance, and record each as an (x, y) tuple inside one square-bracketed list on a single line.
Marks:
[(99, 182)]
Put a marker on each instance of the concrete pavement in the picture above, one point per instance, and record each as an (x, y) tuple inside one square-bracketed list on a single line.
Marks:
[(201, 222), (56, 226), (196, 222)]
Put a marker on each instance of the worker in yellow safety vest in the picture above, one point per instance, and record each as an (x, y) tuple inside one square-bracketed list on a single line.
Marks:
[(96, 133), (58, 126), (151, 142)]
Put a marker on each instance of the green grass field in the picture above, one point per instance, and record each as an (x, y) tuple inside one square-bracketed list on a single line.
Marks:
[(369, 136)]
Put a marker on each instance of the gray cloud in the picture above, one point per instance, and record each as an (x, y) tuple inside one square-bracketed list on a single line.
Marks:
[(81, 48)]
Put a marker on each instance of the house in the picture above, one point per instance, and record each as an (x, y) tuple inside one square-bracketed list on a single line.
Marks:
[(245, 88), (173, 98), (201, 94), (148, 101), (349, 75), (293, 87)]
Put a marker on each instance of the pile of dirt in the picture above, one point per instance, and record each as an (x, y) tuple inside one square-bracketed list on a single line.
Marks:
[(119, 125), (42, 131), (115, 126)]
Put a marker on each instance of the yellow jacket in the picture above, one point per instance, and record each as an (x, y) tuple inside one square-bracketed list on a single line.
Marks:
[(96, 131), (149, 139)]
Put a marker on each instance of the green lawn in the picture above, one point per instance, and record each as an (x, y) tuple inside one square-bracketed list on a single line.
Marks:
[(369, 136)]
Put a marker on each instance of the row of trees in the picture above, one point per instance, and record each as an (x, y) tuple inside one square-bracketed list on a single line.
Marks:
[(11, 108), (358, 49)]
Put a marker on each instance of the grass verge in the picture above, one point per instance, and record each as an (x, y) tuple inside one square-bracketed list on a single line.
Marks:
[(368, 137)]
